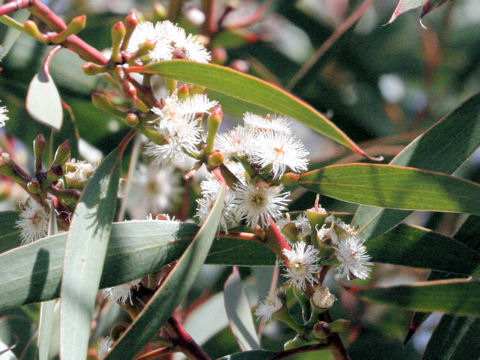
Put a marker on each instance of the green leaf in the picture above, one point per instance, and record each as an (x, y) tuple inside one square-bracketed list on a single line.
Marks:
[(455, 338), (417, 247), (395, 187), (172, 291), (404, 6), (43, 101), (467, 235), (85, 252), (239, 313), (443, 148), (33, 272), (250, 355), (48, 320), (12, 34), (253, 90), (457, 296), (9, 236)]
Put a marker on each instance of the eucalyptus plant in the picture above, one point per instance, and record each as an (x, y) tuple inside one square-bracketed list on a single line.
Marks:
[(228, 195)]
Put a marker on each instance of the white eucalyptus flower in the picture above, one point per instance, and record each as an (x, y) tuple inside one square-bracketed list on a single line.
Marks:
[(302, 265), (3, 116), (355, 262), (79, 171), (121, 293), (170, 41), (278, 151), (210, 187), (257, 203), (33, 221), (153, 190), (269, 306), (234, 142), (104, 347), (269, 123)]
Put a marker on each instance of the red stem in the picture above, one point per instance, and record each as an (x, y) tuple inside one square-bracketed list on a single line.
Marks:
[(185, 342)]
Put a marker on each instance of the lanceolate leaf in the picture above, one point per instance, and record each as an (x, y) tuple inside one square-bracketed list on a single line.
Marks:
[(12, 34), (239, 313), (85, 254), (395, 187), (455, 338), (444, 147), (48, 320), (172, 291), (404, 6), (417, 247), (457, 296), (43, 101), (253, 90), (10, 234), (33, 272), (468, 235)]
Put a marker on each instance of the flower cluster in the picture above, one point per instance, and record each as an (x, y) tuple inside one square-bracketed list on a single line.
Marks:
[(350, 250), (179, 122), (267, 143), (171, 42)]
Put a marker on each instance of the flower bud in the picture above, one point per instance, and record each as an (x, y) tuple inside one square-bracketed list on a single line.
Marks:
[(219, 55), (131, 119), (183, 92), (39, 145), (30, 28), (74, 27), (118, 34), (213, 124), (215, 159), (131, 22), (34, 187), (63, 153), (322, 330), (240, 65), (93, 69)]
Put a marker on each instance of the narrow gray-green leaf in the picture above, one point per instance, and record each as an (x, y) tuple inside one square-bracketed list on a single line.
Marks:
[(33, 272), (239, 313), (444, 148), (253, 90), (85, 252), (455, 338), (12, 34), (47, 308), (10, 234), (417, 247), (43, 101), (172, 291), (456, 296), (395, 187)]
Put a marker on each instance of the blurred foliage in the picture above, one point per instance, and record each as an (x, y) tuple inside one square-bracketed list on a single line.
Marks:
[(381, 85)]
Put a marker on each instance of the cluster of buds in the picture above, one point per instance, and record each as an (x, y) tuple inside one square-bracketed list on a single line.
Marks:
[(317, 242), (61, 182)]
